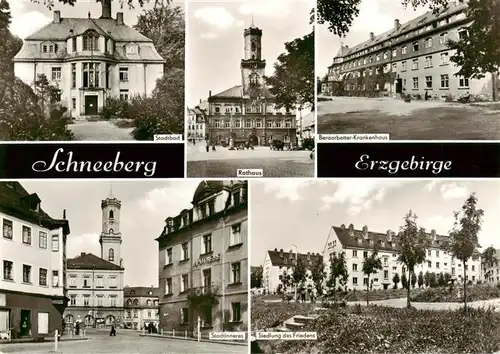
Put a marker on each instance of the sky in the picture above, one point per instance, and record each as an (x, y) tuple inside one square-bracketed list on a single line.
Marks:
[(145, 206), (308, 208), (215, 39), (375, 16), (28, 16)]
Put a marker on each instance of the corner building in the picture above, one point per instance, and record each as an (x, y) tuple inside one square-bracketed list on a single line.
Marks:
[(203, 259), (247, 112), (412, 58), (359, 244)]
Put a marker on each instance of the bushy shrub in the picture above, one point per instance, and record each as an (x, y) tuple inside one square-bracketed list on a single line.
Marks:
[(115, 108), (476, 292)]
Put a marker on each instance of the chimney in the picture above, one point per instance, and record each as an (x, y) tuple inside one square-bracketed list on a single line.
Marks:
[(82, 254), (275, 250), (281, 253), (119, 18), (397, 25), (200, 100), (372, 36), (106, 8), (389, 236), (351, 229), (210, 93), (365, 231), (64, 214), (433, 234), (57, 16), (342, 227)]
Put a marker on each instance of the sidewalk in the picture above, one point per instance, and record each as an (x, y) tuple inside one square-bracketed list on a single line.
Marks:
[(204, 340), (43, 340)]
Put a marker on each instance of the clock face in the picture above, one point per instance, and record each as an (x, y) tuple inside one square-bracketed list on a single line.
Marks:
[(111, 221)]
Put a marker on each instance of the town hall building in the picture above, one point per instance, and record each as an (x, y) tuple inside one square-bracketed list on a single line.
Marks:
[(247, 112), (90, 60)]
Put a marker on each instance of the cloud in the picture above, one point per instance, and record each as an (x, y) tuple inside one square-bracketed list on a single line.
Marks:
[(270, 8), (208, 35), (358, 195), (28, 23), (217, 17), (454, 191), (442, 224), (169, 200), (431, 185), (285, 189), (88, 242)]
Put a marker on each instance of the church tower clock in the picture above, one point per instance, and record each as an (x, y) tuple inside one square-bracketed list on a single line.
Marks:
[(111, 237), (252, 65)]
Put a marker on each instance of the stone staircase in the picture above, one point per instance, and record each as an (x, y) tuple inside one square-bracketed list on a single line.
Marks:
[(297, 322)]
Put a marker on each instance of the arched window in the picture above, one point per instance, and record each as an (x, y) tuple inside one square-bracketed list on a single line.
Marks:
[(91, 41), (253, 56), (148, 302), (111, 231), (254, 47), (111, 214), (136, 302), (111, 256), (129, 302), (254, 78)]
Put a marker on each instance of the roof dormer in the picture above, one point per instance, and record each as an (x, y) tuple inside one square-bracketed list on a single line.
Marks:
[(48, 47), (131, 48)]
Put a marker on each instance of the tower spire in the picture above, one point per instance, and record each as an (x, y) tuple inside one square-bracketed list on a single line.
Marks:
[(252, 20)]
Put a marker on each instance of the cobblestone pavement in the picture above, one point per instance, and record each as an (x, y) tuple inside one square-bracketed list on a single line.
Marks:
[(225, 163), (417, 120), (100, 130), (125, 342)]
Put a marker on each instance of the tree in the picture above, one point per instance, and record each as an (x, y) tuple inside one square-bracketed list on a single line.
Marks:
[(286, 280), (488, 259), (478, 50), (427, 279), (404, 281), (256, 278), (338, 272), (371, 265), (165, 25), (413, 243), (318, 273), (293, 79), (433, 280), (46, 92), (299, 273), (447, 277), (10, 44), (395, 280), (463, 239), (130, 3), (441, 281), (413, 280)]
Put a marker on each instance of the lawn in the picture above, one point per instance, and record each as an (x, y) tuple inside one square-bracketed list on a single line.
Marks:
[(382, 330), (476, 292)]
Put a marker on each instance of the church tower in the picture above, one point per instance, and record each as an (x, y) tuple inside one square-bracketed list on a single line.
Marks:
[(252, 65), (111, 237)]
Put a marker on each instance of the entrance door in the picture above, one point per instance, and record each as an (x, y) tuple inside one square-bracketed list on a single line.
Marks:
[(25, 322), (90, 105), (399, 85)]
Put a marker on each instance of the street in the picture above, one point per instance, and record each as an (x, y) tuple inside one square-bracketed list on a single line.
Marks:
[(416, 120), (124, 342), (224, 162), (100, 130)]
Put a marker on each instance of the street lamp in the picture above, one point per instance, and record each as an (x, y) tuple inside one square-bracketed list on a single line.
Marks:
[(296, 261)]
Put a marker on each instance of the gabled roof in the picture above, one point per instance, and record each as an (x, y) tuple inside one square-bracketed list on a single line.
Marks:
[(14, 201), (287, 259), (140, 291), (104, 26), (237, 92), (90, 261)]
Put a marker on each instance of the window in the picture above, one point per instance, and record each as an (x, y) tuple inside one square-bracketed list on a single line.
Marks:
[(86, 281), (207, 244), (355, 281), (113, 282), (377, 58), (112, 301), (44, 48), (365, 254), (91, 41), (99, 300), (429, 264), (26, 274), (462, 33), (445, 81), (437, 265), (437, 253), (428, 43), (386, 274), (168, 256), (236, 311), (444, 59), (42, 277), (235, 235), (135, 313), (415, 47), (131, 49), (42, 239), (211, 207), (56, 73), (73, 103), (136, 302), (168, 286), (185, 315), (354, 253), (207, 278), (428, 82), (7, 229), (386, 55), (100, 281), (111, 255), (463, 82), (403, 65), (354, 267), (207, 316), (415, 83), (86, 301), (73, 40), (123, 73), (428, 61), (269, 124), (235, 270), (394, 53), (443, 38), (91, 74), (365, 281), (429, 253), (473, 268), (55, 278), (26, 235), (73, 300), (404, 49), (184, 282), (414, 65), (72, 281), (55, 243), (124, 95)]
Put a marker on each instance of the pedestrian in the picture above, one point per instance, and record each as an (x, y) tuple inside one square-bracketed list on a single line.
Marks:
[(208, 146), (77, 328), (150, 328), (113, 331), (426, 97), (213, 147)]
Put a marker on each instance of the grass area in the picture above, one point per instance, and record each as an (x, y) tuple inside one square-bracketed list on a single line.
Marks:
[(439, 123), (476, 292), (271, 314), (124, 123), (376, 295), (382, 330)]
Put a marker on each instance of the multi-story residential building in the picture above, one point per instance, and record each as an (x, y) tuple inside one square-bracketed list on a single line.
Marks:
[(33, 258), (276, 262), (203, 260), (90, 59), (141, 307), (196, 124), (491, 271), (96, 283), (247, 112), (359, 244), (411, 58)]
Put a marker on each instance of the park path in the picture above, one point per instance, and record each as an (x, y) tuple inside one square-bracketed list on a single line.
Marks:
[(101, 130)]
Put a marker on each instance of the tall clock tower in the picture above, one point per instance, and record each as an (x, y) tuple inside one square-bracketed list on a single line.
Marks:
[(111, 237), (252, 66)]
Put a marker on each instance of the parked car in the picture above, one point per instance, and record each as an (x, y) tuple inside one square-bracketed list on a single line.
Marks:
[(311, 155), (277, 145)]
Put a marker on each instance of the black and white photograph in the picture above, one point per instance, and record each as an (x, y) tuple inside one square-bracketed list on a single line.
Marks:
[(375, 266), (75, 70), (124, 267), (415, 70), (250, 89)]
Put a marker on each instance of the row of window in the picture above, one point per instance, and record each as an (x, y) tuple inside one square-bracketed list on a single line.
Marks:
[(98, 281), (206, 314), (135, 302), (429, 253), (91, 74), (134, 313), (207, 279), (386, 278), (8, 228), (90, 43), (85, 300), (195, 126), (251, 124), (254, 108), (8, 274)]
